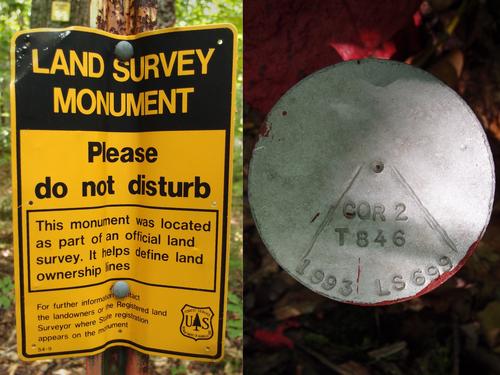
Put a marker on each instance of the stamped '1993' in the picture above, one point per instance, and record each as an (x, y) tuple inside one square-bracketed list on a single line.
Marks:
[(383, 286)]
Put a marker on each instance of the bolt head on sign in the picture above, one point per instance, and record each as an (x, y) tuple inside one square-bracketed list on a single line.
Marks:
[(373, 182), (124, 50), (120, 289)]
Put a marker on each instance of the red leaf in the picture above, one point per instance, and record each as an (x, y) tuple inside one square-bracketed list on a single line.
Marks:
[(277, 337)]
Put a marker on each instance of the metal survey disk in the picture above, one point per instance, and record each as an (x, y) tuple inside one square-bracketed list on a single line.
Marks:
[(373, 182)]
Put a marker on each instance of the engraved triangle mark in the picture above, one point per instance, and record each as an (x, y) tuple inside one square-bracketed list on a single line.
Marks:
[(428, 216), (331, 211), (429, 219)]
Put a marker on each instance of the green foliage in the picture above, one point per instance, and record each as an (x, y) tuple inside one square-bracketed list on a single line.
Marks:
[(5, 208), (190, 12), (235, 262), (178, 370), (235, 307), (14, 16), (6, 292)]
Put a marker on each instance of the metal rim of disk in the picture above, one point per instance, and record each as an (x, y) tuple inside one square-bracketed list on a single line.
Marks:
[(372, 183)]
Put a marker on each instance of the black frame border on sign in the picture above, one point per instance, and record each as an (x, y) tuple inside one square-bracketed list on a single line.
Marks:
[(229, 133)]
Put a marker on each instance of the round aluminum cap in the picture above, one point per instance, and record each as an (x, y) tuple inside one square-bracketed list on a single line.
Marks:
[(373, 182)]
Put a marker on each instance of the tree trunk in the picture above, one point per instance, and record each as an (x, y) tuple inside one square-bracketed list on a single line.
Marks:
[(80, 15), (41, 14), (125, 17), (166, 14)]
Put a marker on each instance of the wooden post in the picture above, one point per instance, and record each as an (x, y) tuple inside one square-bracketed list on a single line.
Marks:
[(123, 17)]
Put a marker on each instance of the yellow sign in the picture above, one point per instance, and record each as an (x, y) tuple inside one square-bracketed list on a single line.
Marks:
[(122, 171), (60, 11)]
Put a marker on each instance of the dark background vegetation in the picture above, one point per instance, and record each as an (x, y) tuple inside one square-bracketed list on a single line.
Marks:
[(454, 329)]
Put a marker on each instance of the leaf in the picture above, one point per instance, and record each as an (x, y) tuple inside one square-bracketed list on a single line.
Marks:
[(233, 298), (178, 370), (6, 292), (235, 305), (490, 324), (234, 328), (387, 350), (4, 302)]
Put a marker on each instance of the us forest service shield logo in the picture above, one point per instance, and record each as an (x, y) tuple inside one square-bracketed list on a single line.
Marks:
[(197, 322)]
